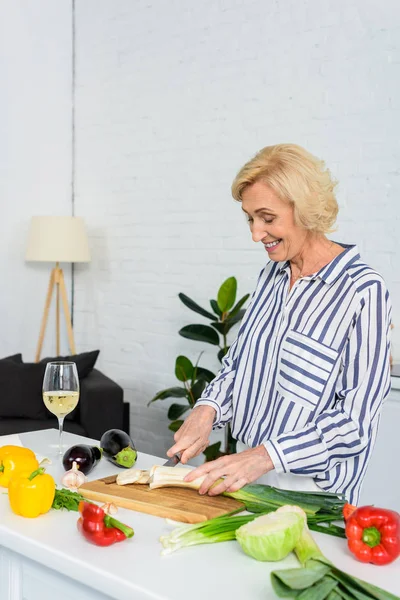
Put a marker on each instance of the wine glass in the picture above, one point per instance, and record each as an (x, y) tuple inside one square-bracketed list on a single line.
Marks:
[(60, 391)]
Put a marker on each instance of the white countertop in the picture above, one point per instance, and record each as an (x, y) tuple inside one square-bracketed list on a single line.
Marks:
[(134, 569)]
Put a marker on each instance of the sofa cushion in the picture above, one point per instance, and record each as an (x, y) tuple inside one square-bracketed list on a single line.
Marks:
[(21, 390), (15, 358), (84, 361)]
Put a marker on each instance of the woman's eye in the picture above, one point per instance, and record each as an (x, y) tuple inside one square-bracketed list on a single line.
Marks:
[(263, 219)]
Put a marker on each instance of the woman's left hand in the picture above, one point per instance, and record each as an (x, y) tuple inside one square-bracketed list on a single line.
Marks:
[(237, 470)]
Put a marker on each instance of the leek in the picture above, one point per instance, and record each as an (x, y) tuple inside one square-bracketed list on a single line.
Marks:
[(318, 578), (321, 508)]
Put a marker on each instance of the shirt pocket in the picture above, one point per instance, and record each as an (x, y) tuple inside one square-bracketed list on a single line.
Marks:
[(304, 368)]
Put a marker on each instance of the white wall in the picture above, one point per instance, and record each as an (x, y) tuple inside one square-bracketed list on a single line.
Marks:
[(35, 157), (172, 98)]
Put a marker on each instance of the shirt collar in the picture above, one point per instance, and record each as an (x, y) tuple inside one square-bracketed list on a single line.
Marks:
[(335, 268)]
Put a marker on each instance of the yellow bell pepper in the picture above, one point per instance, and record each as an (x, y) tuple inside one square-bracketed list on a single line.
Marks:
[(13, 460), (31, 494)]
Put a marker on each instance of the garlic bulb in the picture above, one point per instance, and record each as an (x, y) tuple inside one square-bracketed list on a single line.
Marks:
[(73, 478), (110, 508)]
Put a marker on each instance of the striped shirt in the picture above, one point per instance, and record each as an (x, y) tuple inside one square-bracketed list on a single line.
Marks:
[(309, 371)]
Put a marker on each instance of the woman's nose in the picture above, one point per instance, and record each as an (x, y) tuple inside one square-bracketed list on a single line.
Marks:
[(258, 232)]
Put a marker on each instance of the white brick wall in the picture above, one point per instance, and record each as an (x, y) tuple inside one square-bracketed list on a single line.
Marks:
[(172, 98)]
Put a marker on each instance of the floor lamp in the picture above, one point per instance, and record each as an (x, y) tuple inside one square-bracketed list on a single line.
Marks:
[(57, 240)]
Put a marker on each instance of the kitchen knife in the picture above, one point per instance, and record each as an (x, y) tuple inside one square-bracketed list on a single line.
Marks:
[(173, 461)]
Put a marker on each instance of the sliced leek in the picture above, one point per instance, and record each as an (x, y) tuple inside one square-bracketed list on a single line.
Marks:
[(137, 476), (172, 477)]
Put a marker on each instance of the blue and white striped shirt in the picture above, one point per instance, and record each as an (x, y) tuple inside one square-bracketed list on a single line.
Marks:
[(309, 371)]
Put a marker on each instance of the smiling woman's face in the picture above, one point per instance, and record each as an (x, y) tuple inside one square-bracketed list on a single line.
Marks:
[(272, 222)]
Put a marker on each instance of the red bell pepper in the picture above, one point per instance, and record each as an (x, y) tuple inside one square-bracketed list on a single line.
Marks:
[(99, 528), (373, 535)]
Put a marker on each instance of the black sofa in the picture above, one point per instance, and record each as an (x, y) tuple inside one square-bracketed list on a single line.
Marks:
[(101, 407)]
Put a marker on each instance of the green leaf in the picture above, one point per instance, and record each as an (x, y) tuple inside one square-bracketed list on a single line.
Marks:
[(198, 388), (359, 588), (227, 294), (173, 392), (239, 305), (236, 318), (320, 590), (299, 579), (176, 410), (205, 374), (195, 307), (200, 333), (222, 353), (183, 368), (225, 326), (212, 452), (215, 307), (334, 595), (175, 425), (220, 327)]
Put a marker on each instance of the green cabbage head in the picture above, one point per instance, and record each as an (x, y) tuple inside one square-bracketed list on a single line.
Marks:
[(271, 537)]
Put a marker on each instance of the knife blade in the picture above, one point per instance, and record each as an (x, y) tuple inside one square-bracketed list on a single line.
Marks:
[(173, 461)]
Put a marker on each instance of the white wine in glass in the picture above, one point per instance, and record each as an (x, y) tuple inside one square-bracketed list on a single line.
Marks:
[(61, 391)]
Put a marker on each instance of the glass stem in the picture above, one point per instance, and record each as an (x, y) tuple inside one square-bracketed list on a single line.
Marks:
[(60, 427)]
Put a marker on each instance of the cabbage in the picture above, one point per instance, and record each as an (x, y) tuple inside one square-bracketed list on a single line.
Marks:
[(271, 537)]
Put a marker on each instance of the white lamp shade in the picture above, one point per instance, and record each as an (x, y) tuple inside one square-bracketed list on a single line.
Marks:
[(57, 239)]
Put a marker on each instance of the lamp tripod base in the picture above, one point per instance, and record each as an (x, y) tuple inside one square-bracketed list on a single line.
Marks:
[(56, 280)]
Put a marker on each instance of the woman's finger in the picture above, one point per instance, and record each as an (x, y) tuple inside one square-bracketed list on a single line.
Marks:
[(193, 450), (237, 485), (199, 471), (223, 486), (211, 478)]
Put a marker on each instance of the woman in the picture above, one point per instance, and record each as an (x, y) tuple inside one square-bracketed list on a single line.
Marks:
[(304, 382)]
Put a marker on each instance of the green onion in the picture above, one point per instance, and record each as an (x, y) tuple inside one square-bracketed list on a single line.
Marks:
[(219, 529)]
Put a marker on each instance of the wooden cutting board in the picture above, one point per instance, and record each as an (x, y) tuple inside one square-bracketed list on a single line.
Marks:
[(175, 503)]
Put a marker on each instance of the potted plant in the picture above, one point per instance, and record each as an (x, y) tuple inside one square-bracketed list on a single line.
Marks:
[(193, 379)]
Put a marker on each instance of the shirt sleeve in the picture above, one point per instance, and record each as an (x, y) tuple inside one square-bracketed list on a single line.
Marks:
[(364, 381), (218, 393)]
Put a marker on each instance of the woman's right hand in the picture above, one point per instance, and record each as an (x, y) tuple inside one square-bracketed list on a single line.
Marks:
[(192, 437)]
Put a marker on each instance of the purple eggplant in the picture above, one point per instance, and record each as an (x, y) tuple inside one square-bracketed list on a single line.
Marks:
[(86, 457), (118, 448)]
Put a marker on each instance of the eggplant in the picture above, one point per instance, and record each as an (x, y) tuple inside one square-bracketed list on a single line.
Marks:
[(118, 448), (85, 456)]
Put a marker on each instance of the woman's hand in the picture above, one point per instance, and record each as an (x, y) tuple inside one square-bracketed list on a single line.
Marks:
[(192, 437), (237, 470)]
